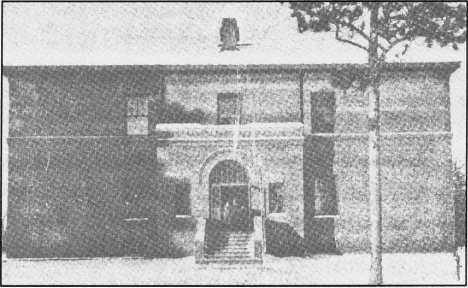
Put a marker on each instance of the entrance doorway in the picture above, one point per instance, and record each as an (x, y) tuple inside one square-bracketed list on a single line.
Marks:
[(230, 201)]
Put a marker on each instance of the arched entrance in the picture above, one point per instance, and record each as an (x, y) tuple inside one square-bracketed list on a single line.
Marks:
[(230, 200)]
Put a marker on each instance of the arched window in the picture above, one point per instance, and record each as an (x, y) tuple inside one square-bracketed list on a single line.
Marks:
[(227, 172)]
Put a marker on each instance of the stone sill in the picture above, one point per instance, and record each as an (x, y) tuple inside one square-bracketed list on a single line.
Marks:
[(365, 109), (136, 219), (327, 216), (442, 134), (249, 131), (184, 216)]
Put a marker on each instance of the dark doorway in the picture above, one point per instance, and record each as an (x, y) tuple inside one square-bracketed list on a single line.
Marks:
[(230, 196), (239, 193)]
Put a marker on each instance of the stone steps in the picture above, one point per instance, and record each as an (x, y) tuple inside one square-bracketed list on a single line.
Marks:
[(229, 251), (228, 257), (239, 250), (235, 248), (231, 263)]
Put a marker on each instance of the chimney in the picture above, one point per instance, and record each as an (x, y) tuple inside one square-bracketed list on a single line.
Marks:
[(229, 33)]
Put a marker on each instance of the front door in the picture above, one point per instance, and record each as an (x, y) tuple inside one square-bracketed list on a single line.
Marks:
[(231, 204), (216, 204), (230, 195)]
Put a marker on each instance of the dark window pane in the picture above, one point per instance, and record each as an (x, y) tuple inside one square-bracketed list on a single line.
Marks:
[(323, 112), (325, 196), (182, 201), (229, 109), (275, 197)]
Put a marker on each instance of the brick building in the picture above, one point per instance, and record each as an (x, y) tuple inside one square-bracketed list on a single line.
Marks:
[(141, 160)]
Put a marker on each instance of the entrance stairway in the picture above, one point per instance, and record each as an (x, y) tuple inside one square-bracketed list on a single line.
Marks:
[(230, 248)]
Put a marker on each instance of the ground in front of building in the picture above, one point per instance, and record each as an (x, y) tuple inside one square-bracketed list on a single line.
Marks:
[(422, 269)]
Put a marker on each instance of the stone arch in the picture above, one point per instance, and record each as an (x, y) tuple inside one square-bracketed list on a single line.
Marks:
[(227, 154)]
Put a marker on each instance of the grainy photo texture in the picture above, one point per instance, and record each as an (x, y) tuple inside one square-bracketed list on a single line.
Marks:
[(308, 143)]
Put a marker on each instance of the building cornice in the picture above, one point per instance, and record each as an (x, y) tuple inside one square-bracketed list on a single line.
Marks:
[(443, 67)]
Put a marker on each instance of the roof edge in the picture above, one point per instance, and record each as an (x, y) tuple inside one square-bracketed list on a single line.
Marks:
[(402, 66)]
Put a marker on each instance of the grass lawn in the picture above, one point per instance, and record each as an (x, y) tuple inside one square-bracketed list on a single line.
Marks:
[(320, 269)]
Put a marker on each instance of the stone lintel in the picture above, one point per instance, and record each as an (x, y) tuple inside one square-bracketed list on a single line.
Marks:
[(254, 131)]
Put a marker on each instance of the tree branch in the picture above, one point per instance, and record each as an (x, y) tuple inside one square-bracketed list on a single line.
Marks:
[(386, 39), (355, 29), (360, 32), (347, 41), (394, 43)]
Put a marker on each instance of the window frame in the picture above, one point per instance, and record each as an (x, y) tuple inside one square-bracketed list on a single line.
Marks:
[(323, 103), (137, 117), (238, 113), (329, 194), (278, 198), (182, 188)]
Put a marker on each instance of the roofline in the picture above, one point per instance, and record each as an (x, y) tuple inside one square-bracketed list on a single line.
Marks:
[(411, 66), (451, 66)]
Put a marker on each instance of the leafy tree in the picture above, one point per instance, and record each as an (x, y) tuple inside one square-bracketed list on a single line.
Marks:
[(377, 27)]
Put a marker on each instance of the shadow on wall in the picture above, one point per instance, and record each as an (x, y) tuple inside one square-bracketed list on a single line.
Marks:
[(282, 240), (174, 112), (101, 197)]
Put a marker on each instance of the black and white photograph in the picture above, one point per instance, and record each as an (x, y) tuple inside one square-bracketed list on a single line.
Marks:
[(233, 143)]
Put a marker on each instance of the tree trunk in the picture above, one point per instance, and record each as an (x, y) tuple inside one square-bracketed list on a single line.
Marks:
[(375, 196)]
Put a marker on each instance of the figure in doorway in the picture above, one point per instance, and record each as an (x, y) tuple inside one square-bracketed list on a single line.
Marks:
[(227, 213), (244, 218), (235, 215)]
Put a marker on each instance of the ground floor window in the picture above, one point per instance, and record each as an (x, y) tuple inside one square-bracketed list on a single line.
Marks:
[(182, 198), (275, 197), (325, 197)]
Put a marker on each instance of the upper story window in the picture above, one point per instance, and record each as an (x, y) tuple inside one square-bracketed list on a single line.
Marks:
[(323, 112), (229, 109), (137, 116)]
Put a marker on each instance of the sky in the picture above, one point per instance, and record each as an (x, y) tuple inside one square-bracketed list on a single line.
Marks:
[(188, 33)]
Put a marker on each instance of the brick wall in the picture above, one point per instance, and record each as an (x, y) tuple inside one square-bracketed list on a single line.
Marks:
[(418, 202), (78, 104), (280, 160), (274, 96), (417, 198), (72, 197)]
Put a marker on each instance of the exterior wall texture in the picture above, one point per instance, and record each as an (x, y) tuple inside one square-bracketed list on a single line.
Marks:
[(77, 197), (416, 164), (275, 160), (273, 96), (70, 155), (78, 104)]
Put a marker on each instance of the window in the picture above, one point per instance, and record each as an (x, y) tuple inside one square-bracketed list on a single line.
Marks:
[(325, 197), (275, 197), (323, 112), (229, 109), (137, 116), (182, 200)]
